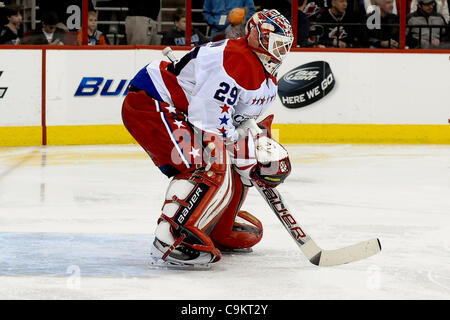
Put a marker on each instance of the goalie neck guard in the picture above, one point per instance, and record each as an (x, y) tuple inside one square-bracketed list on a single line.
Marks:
[(270, 36)]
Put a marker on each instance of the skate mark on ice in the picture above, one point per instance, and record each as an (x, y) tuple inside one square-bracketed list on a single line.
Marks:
[(19, 163), (442, 281)]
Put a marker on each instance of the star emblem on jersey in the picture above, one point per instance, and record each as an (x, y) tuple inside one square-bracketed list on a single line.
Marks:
[(223, 131), (171, 109), (225, 108), (179, 124), (224, 120), (262, 100), (195, 152)]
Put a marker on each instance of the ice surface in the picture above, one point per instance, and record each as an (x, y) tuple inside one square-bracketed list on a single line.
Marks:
[(76, 223)]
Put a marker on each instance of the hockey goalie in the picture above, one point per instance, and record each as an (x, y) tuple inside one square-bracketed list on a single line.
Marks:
[(195, 117)]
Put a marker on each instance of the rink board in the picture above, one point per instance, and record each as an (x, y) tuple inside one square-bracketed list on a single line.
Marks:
[(377, 97), (20, 88), (20, 136)]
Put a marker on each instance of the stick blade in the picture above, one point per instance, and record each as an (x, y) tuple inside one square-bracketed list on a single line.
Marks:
[(348, 254)]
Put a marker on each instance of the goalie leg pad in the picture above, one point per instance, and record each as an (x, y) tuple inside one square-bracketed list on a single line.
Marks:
[(237, 229), (246, 231), (194, 203)]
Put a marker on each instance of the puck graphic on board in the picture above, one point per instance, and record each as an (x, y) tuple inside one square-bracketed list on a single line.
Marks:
[(305, 84)]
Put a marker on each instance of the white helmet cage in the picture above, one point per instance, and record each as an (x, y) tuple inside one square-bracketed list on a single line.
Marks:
[(275, 37)]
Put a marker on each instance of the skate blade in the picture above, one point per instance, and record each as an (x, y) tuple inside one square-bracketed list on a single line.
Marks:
[(168, 265), (238, 251)]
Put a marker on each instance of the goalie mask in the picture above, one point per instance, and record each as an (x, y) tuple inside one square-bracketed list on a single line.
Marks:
[(270, 36)]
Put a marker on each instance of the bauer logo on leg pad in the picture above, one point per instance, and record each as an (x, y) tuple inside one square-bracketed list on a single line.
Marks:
[(193, 201)]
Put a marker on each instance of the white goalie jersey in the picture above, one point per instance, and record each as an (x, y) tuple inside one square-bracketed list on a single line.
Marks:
[(218, 85)]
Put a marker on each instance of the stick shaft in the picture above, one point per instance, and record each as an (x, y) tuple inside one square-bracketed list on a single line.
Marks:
[(310, 249), (168, 52), (279, 207)]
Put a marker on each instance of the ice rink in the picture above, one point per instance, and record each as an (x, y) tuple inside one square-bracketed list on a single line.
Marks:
[(76, 223)]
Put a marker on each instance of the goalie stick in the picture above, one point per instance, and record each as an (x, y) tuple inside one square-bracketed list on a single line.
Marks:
[(310, 249)]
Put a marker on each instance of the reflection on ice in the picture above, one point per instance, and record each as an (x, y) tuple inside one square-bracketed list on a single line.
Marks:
[(55, 254)]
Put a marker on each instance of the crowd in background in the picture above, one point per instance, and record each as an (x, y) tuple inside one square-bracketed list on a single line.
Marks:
[(372, 23), (321, 23)]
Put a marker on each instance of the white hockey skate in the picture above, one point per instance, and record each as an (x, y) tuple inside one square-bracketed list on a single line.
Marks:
[(180, 258)]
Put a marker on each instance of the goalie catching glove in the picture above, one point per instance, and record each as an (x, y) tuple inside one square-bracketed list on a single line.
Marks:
[(258, 157), (273, 165)]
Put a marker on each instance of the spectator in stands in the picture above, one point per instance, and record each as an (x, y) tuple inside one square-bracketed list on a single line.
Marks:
[(95, 37), (10, 32), (177, 36), (236, 28), (368, 6), (423, 37), (307, 32), (140, 24), (386, 35), (336, 29), (215, 13), (303, 25), (49, 33), (69, 12), (441, 7), (314, 7)]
